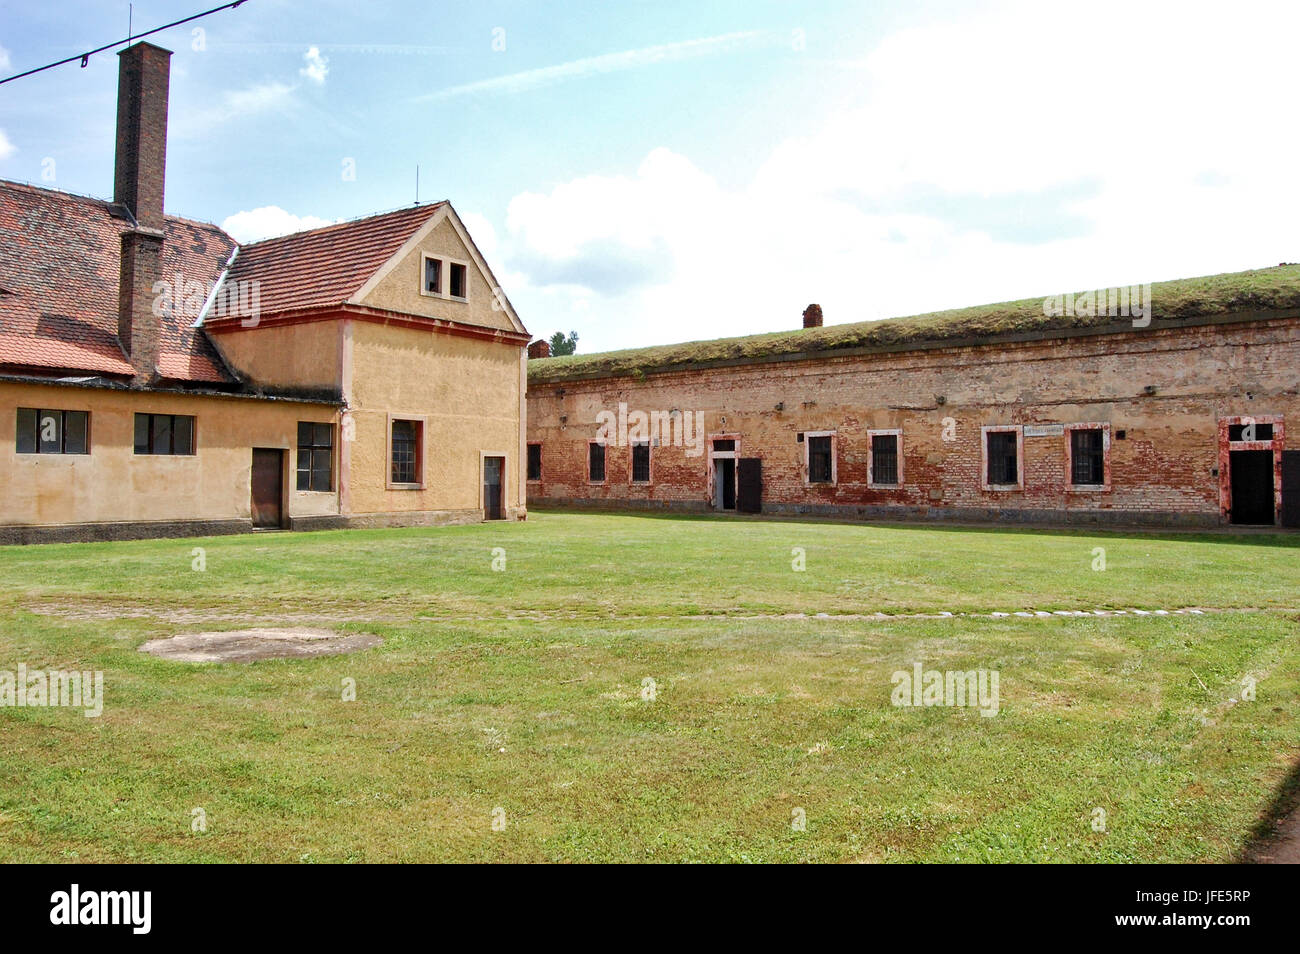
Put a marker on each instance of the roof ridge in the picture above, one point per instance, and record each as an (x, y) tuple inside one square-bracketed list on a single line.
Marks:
[(347, 223), (107, 203), (33, 187)]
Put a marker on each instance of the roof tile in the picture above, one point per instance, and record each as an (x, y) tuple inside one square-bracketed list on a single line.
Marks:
[(325, 266), (59, 267)]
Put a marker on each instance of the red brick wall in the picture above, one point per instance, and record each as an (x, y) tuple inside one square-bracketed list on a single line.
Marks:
[(1163, 470), (139, 173)]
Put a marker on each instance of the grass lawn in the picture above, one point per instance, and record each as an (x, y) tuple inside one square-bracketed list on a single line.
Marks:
[(521, 689)]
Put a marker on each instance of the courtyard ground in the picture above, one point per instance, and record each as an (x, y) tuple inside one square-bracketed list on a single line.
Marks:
[(586, 687)]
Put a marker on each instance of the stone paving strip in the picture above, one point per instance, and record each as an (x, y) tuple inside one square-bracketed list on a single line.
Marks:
[(173, 615)]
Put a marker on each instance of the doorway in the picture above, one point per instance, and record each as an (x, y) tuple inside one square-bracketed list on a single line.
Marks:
[(1251, 480), (724, 480), (722, 460), (268, 488), (493, 480)]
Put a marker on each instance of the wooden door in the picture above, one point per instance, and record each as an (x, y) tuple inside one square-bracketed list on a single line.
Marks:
[(493, 472), (749, 485), (268, 488), (1291, 488)]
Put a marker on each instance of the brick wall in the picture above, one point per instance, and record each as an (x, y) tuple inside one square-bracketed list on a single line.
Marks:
[(1164, 446)]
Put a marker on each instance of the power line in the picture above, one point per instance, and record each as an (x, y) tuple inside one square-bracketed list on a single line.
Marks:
[(85, 57)]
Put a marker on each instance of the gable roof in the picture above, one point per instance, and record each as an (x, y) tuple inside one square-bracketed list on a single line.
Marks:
[(59, 273), (1236, 296), (328, 265)]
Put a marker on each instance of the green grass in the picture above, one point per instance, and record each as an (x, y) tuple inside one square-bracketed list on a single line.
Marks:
[(756, 714), (1277, 287)]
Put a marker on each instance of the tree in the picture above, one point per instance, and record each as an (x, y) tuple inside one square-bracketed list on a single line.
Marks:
[(562, 345)]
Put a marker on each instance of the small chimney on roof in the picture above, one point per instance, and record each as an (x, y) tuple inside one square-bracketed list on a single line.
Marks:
[(812, 316), (142, 80), (541, 348)]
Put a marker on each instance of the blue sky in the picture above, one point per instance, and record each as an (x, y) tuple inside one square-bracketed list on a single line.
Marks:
[(654, 172)]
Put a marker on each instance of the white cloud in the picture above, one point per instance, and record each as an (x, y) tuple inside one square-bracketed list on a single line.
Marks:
[(267, 222), (7, 148), (606, 63), (481, 231), (1022, 151), (236, 104), (4, 59), (257, 99), (317, 67)]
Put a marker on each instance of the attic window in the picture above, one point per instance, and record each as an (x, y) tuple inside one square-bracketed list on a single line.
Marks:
[(444, 278)]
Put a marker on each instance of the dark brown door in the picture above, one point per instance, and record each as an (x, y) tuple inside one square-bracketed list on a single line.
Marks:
[(493, 470), (1252, 486), (268, 487), (1291, 488), (749, 485)]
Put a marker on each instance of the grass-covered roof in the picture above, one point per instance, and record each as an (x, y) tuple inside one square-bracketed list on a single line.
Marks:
[(1185, 301)]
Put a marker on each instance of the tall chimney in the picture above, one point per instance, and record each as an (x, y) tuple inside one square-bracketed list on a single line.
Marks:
[(142, 80), (541, 348), (812, 316)]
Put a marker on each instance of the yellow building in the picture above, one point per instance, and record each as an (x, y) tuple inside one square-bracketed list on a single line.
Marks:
[(157, 379)]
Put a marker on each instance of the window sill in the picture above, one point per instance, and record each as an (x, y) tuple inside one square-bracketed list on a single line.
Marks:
[(1002, 488), (871, 486), (393, 486), (1087, 488), (443, 297)]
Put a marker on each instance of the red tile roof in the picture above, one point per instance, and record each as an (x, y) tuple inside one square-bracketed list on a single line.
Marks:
[(59, 265), (325, 266)]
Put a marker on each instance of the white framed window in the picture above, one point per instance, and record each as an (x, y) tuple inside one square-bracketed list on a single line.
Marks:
[(442, 277), (885, 458), (406, 452), (1002, 454), (1087, 457), (819, 453)]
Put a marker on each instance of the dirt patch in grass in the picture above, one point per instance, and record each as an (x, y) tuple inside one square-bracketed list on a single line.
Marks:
[(248, 645)]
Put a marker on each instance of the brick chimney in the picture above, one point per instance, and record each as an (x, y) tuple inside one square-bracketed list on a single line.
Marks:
[(142, 81), (812, 316), (540, 348)]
